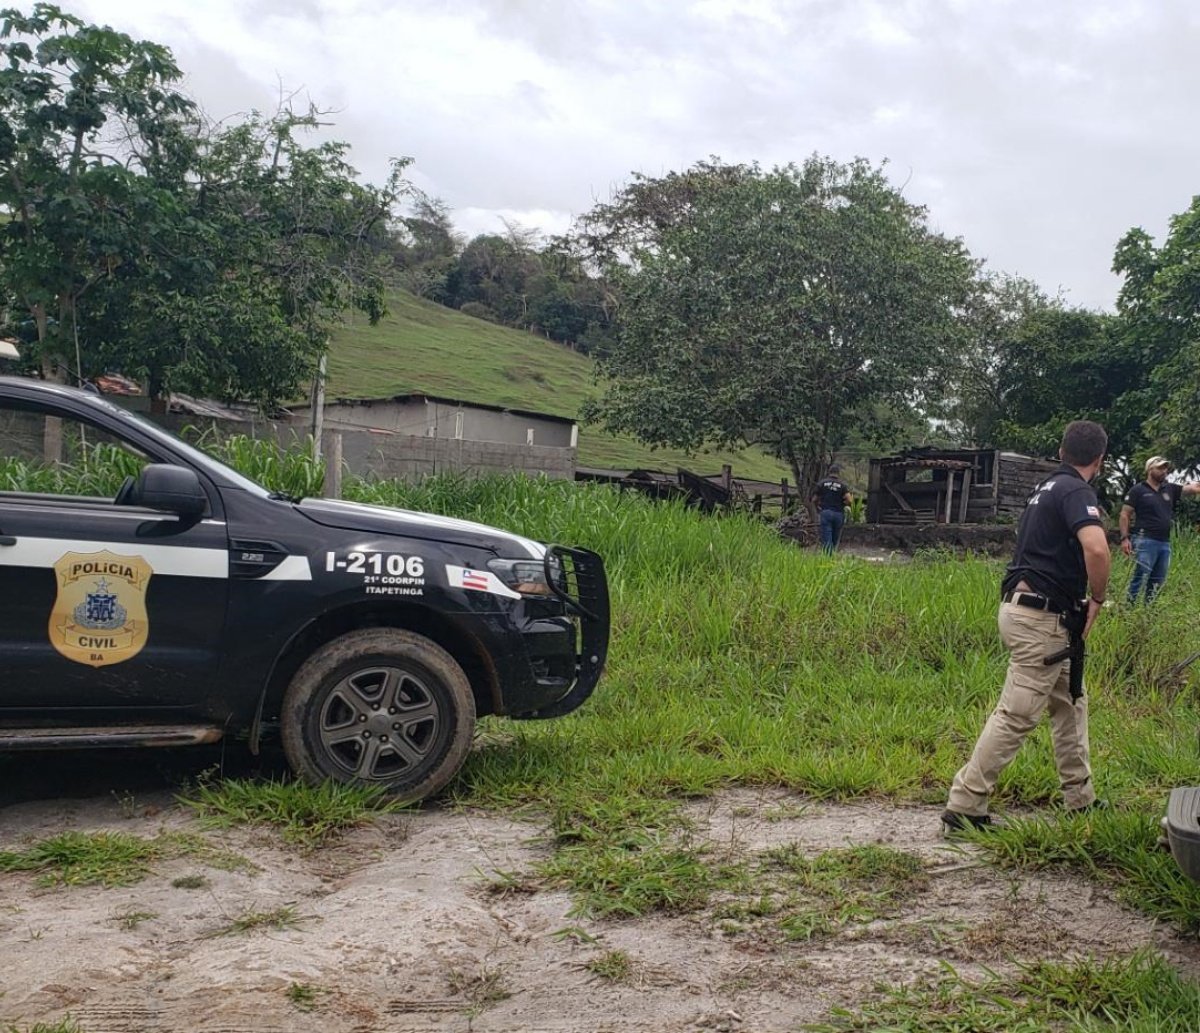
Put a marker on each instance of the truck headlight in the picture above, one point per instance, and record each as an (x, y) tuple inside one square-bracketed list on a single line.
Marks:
[(528, 577)]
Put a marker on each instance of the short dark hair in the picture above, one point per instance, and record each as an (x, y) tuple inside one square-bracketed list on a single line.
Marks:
[(1083, 442), (834, 468)]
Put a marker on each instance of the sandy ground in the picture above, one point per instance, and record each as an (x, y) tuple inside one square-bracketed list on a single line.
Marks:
[(397, 929)]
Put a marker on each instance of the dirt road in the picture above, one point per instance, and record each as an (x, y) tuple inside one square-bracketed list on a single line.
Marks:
[(398, 927)]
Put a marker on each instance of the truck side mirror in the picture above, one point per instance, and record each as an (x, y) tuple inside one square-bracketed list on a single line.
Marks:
[(172, 489)]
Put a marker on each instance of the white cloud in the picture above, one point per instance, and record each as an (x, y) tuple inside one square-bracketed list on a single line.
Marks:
[(885, 28), (474, 221), (1038, 131)]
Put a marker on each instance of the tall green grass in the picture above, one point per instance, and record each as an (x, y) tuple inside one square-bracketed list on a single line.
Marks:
[(92, 470), (98, 470), (763, 662), (292, 471)]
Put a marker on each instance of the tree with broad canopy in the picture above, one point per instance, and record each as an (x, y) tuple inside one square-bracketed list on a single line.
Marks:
[(777, 308), (136, 237), (1159, 306)]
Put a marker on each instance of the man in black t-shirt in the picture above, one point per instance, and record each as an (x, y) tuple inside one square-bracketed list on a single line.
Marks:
[(1150, 508), (1061, 555), (831, 498)]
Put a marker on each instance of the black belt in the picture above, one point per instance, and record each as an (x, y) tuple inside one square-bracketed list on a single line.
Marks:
[(1033, 601)]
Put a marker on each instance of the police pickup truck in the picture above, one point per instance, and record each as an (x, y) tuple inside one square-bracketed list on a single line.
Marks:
[(194, 604)]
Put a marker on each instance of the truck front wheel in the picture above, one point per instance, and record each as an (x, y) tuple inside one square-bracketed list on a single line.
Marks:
[(379, 707)]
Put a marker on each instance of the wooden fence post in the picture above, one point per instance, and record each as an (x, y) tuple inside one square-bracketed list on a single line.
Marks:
[(333, 465)]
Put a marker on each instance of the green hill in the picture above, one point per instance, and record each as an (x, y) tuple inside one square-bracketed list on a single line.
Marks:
[(420, 346)]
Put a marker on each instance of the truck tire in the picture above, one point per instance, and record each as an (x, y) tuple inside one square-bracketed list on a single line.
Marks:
[(381, 707)]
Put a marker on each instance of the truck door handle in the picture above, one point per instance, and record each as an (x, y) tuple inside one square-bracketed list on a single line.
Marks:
[(7, 539)]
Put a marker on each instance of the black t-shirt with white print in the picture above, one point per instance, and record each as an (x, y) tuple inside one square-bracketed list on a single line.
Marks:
[(1153, 508), (831, 494), (1048, 556)]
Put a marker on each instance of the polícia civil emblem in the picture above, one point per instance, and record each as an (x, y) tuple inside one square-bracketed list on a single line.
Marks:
[(99, 617)]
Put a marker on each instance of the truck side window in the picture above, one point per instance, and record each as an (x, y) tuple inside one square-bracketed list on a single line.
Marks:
[(45, 454)]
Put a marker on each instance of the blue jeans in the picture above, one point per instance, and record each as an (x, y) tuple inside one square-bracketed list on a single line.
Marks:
[(831, 521), (1152, 559)]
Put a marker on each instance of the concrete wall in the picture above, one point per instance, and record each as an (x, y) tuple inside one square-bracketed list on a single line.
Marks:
[(443, 420), (364, 453), (396, 417), (410, 457), (21, 435), (407, 456)]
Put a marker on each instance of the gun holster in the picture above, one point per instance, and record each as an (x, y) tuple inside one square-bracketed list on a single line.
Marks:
[(1074, 620)]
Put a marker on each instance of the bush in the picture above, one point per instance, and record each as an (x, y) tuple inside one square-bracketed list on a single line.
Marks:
[(479, 310)]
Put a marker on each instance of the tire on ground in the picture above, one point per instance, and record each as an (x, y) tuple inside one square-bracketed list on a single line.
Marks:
[(334, 691)]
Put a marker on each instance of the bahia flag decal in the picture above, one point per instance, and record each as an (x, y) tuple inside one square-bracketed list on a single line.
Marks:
[(478, 581)]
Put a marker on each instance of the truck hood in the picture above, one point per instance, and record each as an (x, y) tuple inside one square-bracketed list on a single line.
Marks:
[(355, 516)]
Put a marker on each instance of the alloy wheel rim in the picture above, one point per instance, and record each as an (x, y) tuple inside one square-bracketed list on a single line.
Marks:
[(381, 723)]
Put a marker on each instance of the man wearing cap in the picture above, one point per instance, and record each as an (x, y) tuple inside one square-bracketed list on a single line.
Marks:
[(1149, 508), (831, 498), (1061, 555)]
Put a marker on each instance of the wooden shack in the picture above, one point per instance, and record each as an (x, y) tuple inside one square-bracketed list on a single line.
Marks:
[(952, 486)]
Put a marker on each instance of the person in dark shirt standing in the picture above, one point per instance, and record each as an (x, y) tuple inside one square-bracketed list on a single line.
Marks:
[(1149, 508), (1061, 554), (831, 499)]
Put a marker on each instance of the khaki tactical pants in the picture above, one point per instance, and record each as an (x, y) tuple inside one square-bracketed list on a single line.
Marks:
[(1030, 687)]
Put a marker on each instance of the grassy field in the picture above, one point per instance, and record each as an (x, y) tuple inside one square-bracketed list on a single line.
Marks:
[(420, 346)]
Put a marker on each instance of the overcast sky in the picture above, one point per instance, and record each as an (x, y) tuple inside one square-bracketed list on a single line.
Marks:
[(1037, 130)]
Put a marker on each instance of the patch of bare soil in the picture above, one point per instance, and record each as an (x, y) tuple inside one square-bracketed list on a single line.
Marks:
[(394, 929), (982, 539)]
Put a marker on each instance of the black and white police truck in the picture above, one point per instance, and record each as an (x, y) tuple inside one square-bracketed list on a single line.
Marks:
[(195, 604)]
